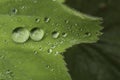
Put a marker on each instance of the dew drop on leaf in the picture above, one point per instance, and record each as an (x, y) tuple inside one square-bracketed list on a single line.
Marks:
[(47, 19), (87, 34), (35, 52), (20, 35), (66, 21), (55, 34), (49, 51), (37, 20), (64, 34), (14, 11), (37, 34), (52, 70)]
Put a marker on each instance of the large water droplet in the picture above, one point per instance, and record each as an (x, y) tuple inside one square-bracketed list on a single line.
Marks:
[(37, 34), (55, 34), (20, 35)]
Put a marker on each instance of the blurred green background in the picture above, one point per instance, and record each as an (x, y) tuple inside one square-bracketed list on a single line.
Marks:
[(101, 60)]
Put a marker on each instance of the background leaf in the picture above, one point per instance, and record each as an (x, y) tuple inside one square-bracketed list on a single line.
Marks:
[(99, 61)]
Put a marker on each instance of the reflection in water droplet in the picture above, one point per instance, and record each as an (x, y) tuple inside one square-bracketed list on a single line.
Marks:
[(37, 34), (55, 34), (20, 35)]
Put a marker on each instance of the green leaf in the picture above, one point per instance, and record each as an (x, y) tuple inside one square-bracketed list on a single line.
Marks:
[(33, 33), (100, 61)]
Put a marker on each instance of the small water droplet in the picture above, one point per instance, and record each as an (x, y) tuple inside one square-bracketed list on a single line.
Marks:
[(76, 24), (64, 34), (37, 34), (49, 51), (52, 69), (14, 11), (55, 34), (66, 21), (23, 7), (40, 48), (37, 20), (47, 19), (2, 57), (20, 35), (88, 34), (56, 53), (47, 66), (53, 46), (35, 52)]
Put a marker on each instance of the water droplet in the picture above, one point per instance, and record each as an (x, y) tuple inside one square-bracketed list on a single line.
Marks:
[(2, 57), (37, 34), (53, 46), (56, 53), (66, 21), (40, 48), (55, 34), (88, 34), (14, 11), (35, 52), (76, 24), (20, 35), (49, 51), (64, 34), (37, 20), (47, 66), (47, 19), (23, 7), (52, 69)]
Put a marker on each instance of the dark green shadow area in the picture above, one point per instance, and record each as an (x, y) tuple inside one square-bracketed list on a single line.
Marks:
[(99, 61)]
